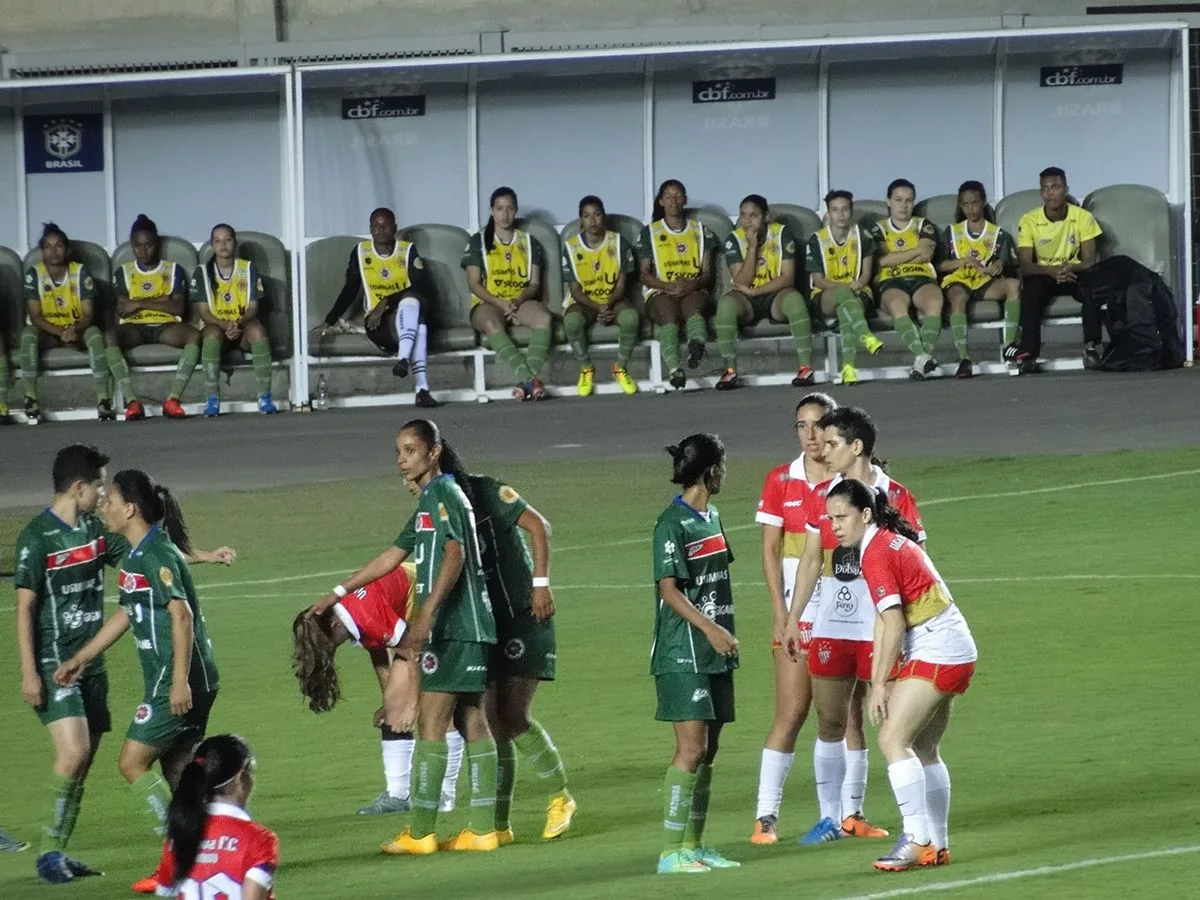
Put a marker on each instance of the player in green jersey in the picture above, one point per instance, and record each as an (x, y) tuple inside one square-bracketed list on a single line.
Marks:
[(694, 652)]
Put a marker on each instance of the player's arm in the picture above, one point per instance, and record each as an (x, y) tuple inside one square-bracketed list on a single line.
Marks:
[(34, 309), (417, 634), (118, 623), (708, 269), (808, 572), (223, 555), (174, 303), (383, 564), (381, 661), (622, 286), (948, 262), (1087, 256), (722, 641), (889, 637), (350, 289), (199, 298), (254, 290), (533, 289), (538, 529), (772, 563), (578, 294), (182, 633), (31, 682), (741, 273)]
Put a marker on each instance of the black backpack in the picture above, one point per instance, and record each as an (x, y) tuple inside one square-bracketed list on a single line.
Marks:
[(1139, 314)]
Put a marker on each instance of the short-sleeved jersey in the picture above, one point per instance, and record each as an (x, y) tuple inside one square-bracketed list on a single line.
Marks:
[(506, 268), (64, 567), (776, 248), (152, 575), (786, 496), (690, 547), (992, 244), (61, 301), (675, 255), (234, 850), (838, 261), (1056, 243), (888, 238), (443, 515), (596, 269), (164, 280), (227, 298), (376, 615)]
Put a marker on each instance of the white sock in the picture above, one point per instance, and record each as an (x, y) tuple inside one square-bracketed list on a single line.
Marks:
[(854, 787), (397, 766), (408, 314), (937, 803), (908, 784), (454, 757), (419, 353), (772, 773), (829, 771)]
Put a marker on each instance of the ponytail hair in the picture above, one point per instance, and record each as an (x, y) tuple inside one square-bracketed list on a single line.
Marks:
[(694, 457), (312, 661), (658, 207), (155, 504), (448, 461), (818, 399), (977, 187), (143, 223), (883, 514), (853, 424), (489, 230), (49, 229), (215, 764)]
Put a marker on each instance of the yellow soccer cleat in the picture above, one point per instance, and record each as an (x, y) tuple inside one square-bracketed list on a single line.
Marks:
[(504, 837), (622, 378), (587, 377), (849, 374), (872, 343), (468, 841), (559, 814), (404, 844)]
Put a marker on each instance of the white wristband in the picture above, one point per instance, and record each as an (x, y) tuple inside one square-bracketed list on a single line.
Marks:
[(541, 581), (340, 592)]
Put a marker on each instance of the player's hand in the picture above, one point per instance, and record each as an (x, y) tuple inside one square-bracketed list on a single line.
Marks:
[(722, 641), (33, 691), (415, 638), (69, 672), (68, 335), (994, 268), (795, 638), (400, 699), (542, 602), (510, 311), (323, 605), (606, 316), (233, 332), (877, 705), (779, 629), (375, 316), (925, 254), (378, 719), (676, 289), (225, 556), (181, 698)]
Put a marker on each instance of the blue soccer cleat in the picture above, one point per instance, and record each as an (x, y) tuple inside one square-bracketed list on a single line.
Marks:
[(825, 830), (52, 868), (265, 406), (212, 409)]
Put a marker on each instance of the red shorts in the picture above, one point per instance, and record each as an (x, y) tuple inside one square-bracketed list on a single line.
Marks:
[(947, 678), (805, 639), (838, 658)]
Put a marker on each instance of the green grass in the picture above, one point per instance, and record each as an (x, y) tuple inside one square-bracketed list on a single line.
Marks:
[(1077, 739)]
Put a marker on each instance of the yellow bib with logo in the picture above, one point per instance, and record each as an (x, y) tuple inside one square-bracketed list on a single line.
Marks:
[(843, 262), (154, 284), (981, 248), (770, 253), (677, 254), (383, 276), (62, 304), (597, 270), (228, 297), (898, 241), (506, 267)]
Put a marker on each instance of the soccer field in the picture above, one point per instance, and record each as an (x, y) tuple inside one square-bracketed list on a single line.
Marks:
[(1073, 755)]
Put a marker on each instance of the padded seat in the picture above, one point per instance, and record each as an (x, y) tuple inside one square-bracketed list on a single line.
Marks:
[(441, 246), (152, 355), (1136, 220), (12, 304), (60, 358), (1010, 209), (552, 285), (868, 211), (766, 329), (938, 209), (460, 337), (274, 265)]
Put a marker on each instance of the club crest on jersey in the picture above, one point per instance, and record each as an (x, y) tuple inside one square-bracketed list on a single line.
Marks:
[(429, 662), (681, 248), (514, 649), (900, 242), (705, 547), (385, 272), (143, 714), (508, 495), (824, 652), (424, 521), (133, 581), (879, 592), (165, 576), (442, 513), (147, 285)]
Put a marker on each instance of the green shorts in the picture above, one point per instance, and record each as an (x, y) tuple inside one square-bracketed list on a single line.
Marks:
[(87, 699), (156, 726), (454, 667), (524, 647), (910, 285), (149, 333), (694, 697)]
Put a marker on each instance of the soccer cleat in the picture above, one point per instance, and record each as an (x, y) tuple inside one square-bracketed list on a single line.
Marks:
[(823, 831), (849, 374), (400, 369), (52, 868), (82, 869), (134, 411), (385, 803), (1010, 355), (469, 842), (559, 814), (523, 391), (907, 855), (146, 885), (173, 409), (920, 366), (33, 411), (677, 379), (729, 381), (943, 857), (404, 844), (621, 377), (587, 377), (266, 405), (1028, 365), (966, 369), (212, 408), (858, 826), (681, 862), (714, 860), (872, 343), (804, 377), (765, 830), (104, 411), (1091, 357), (696, 350), (447, 803), (504, 836), (425, 400), (10, 844), (538, 389)]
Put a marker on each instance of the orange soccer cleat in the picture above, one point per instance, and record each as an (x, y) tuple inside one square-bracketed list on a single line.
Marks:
[(943, 856), (858, 826), (173, 409), (765, 831), (146, 885)]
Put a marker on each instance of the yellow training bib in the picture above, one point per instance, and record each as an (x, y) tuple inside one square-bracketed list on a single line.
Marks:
[(677, 254), (228, 297), (62, 304), (154, 284), (597, 270), (383, 276), (770, 254), (507, 266), (981, 248), (843, 262), (898, 240)]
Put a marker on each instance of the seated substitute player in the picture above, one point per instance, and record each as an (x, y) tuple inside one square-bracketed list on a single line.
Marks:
[(839, 262), (61, 303), (1056, 247), (393, 282), (597, 264), (208, 813), (905, 277), (226, 292), (151, 309), (975, 253), (762, 262), (675, 254)]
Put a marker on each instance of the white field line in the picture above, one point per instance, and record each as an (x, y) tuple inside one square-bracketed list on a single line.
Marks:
[(1037, 872)]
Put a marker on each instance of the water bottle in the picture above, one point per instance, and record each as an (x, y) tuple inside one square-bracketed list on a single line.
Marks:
[(322, 396)]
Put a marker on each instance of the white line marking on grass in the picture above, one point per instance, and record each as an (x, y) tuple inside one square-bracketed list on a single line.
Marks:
[(1026, 873), (566, 446)]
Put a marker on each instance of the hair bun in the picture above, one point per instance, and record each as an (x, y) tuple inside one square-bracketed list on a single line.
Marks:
[(675, 450)]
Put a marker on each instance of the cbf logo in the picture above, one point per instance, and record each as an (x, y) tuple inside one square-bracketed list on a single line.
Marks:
[(1083, 76), (63, 139), (733, 90)]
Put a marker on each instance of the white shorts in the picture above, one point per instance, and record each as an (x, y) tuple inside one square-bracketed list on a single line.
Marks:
[(944, 640)]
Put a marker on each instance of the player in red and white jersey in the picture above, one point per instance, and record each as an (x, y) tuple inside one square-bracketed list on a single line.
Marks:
[(924, 654), (783, 512), (213, 847), (839, 655)]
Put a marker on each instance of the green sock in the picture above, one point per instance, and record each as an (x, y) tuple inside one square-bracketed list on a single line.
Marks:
[(693, 835), (154, 796), (576, 327), (931, 327), (536, 748), (93, 340), (726, 322), (668, 339), (29, 361), (1012, 319), (428, 771), (855, 314), (261, 351), (482, 760), (539, 346), (183, 371), (4, 376), (678, 787), (697, 329), (74, 804), (506, 780), (849, 340), (120, 372), (210, 365), (503, 347), (61, 789), (628, 323), (800, 325), (958, 328), (907, 329)]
